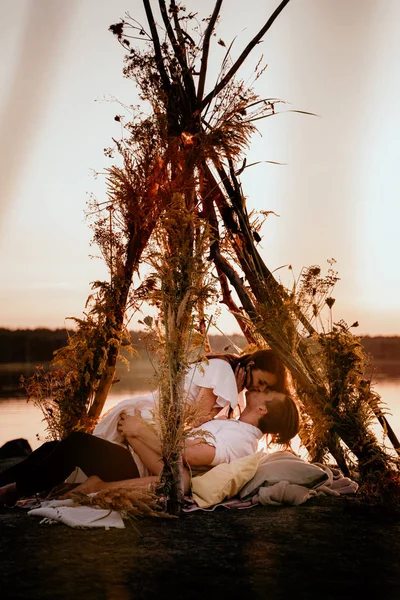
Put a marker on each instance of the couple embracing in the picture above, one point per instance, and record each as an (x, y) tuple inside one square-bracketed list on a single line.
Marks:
[(124, 450)]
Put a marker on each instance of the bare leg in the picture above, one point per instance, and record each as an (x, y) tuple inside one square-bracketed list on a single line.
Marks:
[(95, 484), (89, 486), (143, 482)]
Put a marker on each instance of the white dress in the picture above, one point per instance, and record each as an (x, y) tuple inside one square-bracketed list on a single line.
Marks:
[(216, 374)]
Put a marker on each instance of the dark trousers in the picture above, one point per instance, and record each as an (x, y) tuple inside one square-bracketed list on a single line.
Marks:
[(51, 464)]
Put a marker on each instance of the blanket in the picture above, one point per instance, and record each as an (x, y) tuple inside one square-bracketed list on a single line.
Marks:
[(281, 479)]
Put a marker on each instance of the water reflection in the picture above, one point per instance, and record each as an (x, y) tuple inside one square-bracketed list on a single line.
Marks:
[(19, 418)]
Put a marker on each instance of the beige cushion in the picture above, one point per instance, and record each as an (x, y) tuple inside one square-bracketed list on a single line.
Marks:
[(284, 466), (224, 481)]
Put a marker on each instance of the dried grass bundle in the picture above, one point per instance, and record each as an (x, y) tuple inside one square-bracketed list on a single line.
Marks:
[(131, 501)]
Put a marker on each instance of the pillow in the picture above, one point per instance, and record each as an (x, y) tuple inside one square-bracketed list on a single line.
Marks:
[(224, 480), (284, 466)]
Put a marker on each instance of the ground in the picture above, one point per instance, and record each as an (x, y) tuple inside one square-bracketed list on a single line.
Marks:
[(327, 548)]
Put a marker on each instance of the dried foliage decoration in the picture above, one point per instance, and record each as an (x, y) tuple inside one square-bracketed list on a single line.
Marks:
[(131, 502)]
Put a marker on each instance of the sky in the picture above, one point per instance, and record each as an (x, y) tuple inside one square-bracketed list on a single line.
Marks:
[(336, 193)]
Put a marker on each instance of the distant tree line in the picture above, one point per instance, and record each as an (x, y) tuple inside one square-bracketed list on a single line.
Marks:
[(35, 345), (30, 345), (382, 347), (38, 345)]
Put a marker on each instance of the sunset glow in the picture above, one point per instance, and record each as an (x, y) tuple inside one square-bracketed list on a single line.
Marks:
[(336, 192)]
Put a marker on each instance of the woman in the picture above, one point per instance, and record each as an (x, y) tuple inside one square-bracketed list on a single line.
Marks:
[(259, 370), (45, 468)]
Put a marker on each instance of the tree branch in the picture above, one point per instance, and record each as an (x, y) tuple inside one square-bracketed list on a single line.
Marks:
[(167, 23), (256, 271), (232, 306), (243, 56), (237, 283), (157, 48), (206, 48), (180, 51), (208, 194)]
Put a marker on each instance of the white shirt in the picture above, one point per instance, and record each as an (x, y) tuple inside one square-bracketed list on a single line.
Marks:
[(232, 439), (216, 374)]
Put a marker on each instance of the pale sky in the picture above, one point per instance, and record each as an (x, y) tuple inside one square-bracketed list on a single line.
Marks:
[(337, 194)]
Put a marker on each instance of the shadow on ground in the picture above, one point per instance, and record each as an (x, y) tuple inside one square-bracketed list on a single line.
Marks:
[(327, 548)]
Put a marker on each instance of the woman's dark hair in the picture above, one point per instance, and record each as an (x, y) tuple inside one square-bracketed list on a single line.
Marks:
[(265, 360), (282, 419)]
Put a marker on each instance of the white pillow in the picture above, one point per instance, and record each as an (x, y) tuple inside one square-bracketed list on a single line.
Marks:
[(284, 466)]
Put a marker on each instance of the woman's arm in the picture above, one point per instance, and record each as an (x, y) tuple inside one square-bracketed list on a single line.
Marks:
[(205, 403), (206, 399), (135, 426)]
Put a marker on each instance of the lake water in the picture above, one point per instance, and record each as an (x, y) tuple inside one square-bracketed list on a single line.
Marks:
[(19, 418)]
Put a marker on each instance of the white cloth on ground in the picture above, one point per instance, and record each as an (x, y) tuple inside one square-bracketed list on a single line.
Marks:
[(65, 511)]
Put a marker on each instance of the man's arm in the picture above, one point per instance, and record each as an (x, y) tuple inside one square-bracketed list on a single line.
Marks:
[(198, 453)]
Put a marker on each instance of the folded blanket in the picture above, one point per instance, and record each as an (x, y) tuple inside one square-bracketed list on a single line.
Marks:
[(280, 478), (285, 466), (283, 493), (284, 469)]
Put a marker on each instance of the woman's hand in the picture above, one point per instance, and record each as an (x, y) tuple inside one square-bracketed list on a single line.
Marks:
[(240, 376), (130, 426)]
